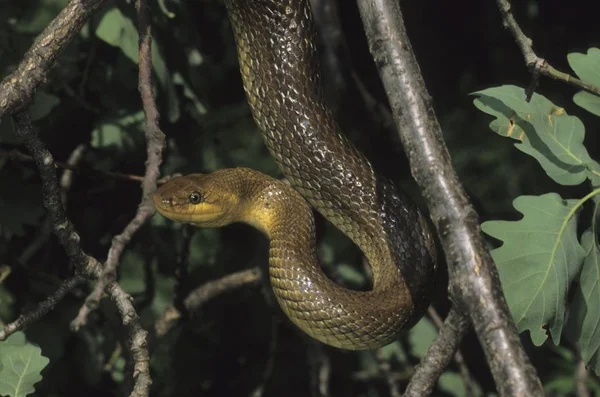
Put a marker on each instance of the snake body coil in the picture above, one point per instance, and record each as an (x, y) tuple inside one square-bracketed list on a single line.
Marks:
[(279, 66)]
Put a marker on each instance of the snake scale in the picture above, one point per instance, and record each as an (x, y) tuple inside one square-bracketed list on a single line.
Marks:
[(280, 71)]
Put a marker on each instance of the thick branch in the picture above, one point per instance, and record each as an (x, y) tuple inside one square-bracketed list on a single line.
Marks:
[(18, 88), (536, 64), (62, 227), (474, 282)]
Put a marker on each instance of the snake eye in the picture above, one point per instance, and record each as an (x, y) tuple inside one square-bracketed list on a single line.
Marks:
[(195, 198)]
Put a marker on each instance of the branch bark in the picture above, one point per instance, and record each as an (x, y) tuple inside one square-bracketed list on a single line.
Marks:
[(18, 88), (438, 356), (87, 267), (155, 141), (538, 66), (474, 282), (199, 296)]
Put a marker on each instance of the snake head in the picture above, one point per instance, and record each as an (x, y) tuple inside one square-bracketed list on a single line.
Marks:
[(199, 199)]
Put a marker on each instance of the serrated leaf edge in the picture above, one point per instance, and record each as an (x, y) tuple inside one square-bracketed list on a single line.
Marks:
[(557, 244), (594, 251)]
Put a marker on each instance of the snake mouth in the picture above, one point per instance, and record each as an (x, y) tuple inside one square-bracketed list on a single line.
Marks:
[(188, 213), (190, 217)]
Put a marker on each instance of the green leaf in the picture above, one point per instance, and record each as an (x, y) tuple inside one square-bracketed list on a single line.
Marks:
[(21, 364), (538, 260), (588, 101), (587, 68), (452, 383), (118, 133), (422, 336), (544, 131), (584, 318), (42, 14), (132, 273), (43, 105), (119, 31)]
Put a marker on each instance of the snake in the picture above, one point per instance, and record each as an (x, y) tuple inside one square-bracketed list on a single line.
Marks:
[(324, 171)]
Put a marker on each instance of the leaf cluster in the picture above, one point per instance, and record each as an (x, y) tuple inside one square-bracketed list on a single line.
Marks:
[(549, 259)]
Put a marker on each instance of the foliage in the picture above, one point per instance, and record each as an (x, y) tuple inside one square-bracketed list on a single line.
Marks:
[(91, 98), (20, 365), (545, 256)]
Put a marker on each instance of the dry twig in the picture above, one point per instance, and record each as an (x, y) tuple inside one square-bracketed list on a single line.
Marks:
[(16, 155), (205, 293), (86, 266), (538, 66), (42, 309), (155, 140), (438, 356), (458, 357)]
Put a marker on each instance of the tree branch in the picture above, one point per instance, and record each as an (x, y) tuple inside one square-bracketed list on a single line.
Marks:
[(16, 155), (86, 266), (155, 140), (42, 309), (438, 355), (474, 282), (199, 296), (18, 88), (460, 327), (538, 66)]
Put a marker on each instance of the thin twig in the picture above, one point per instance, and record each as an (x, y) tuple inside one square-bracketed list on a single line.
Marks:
[(18, 88), (155, 140), (62, 227), (260, 389), (474, 282), (320, 368), (138, 344), (385, 369), (66, 180), (16, 155), (536, 64), (205, 293), (458, 357), (438, 356), (43, 307)]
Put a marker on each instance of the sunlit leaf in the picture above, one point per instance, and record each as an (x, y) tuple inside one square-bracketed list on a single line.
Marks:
[(588, 101), (21, 364), (544, 130), (119, 31), (539, 258), (587, 68)]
